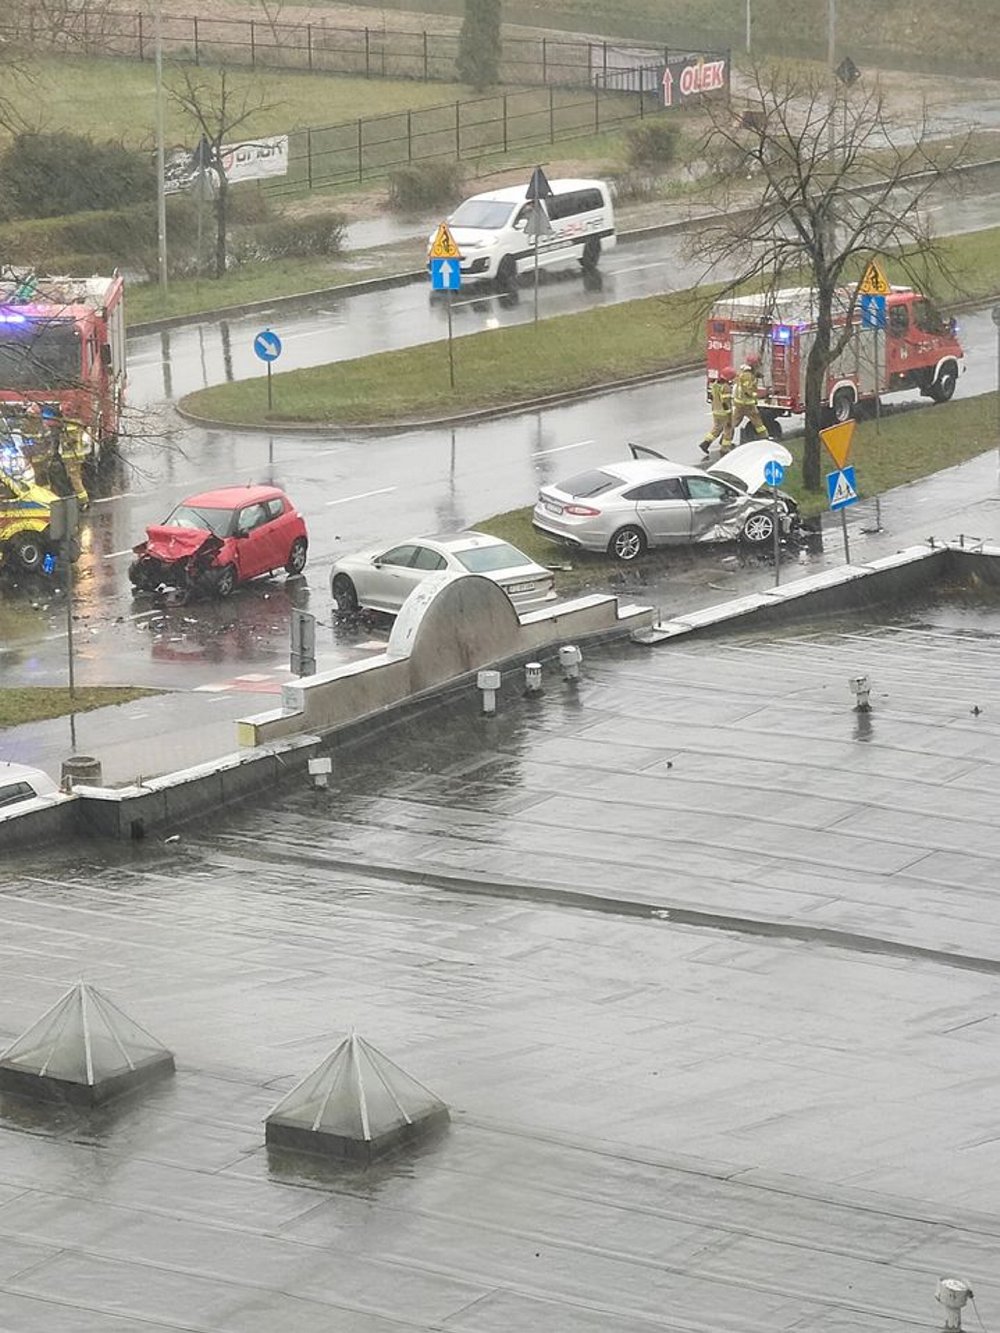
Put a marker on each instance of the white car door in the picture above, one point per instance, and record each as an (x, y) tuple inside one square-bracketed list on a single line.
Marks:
[(389, 579)]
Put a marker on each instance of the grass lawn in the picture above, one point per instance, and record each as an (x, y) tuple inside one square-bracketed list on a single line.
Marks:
[(36, 703), (907, 444)]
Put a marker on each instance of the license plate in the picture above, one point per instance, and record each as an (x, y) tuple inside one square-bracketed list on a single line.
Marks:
[(521, 587), (553, 509)]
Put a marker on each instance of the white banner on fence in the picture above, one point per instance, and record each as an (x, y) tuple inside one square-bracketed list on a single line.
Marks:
[(256, 160)]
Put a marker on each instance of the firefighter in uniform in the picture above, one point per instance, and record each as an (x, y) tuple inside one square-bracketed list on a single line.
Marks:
[(720, 393), (35, 449), (745, 398), (67, 444)]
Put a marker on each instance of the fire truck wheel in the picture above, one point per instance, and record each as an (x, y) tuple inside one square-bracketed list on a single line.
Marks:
[(28, 551), (944, 386), (627, 544), (843, 405), (758, 529), (773, 425)]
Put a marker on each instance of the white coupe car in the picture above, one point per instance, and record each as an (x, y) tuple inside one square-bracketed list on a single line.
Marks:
[(382, 579)]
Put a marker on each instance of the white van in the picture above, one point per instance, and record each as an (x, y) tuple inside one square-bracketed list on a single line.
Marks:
[(489, 229)]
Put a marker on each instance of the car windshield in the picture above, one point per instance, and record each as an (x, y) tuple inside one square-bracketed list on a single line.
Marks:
[(589, 483), (217, 521), (481, 559), (485, 214)]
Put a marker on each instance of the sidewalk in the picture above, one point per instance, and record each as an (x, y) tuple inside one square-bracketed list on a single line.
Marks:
[(165, 733)]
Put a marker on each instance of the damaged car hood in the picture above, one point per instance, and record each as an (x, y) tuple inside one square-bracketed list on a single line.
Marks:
[(744, 466), (169, 544)]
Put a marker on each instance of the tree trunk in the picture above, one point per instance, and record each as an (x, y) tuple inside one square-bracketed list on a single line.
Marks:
[(817, 365), (221, 220)]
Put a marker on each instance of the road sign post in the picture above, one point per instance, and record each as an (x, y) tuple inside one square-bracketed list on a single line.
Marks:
[(841, 486), (303, 643), (446, 276), (267, 348), (774, 475), (538, 224), (873, 317)]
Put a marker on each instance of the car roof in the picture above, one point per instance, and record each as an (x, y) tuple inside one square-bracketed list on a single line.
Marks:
[(630, 471), (463, 541), (516, 194), (231, 497), (11, 772)]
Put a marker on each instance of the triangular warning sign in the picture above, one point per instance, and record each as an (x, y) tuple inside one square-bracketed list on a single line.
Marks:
[(874, 282), (843, 492), (838, 441), (443, 245)]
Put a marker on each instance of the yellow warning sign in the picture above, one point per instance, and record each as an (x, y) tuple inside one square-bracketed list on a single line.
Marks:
[(443, 246), (838, 441), (874, 283)]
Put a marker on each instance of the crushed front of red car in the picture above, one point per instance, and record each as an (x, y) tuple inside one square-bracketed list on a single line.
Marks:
[(183, 560)]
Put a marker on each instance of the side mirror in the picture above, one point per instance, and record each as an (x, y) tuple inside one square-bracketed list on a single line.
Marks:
[(521, 224)]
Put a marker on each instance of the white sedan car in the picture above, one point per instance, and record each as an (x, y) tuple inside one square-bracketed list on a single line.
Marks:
[(18, 784), (382, 579)]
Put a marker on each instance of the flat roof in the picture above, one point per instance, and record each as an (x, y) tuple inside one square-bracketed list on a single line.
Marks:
[(704, 962)]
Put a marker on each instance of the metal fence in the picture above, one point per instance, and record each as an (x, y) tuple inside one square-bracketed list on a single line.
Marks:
[(373, 52), (484, 127)]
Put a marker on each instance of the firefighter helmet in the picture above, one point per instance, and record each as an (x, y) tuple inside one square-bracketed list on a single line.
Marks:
[(753, 360), (728, 373)]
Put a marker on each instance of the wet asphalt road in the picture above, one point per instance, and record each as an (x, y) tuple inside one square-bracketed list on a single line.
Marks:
[(353, 493)]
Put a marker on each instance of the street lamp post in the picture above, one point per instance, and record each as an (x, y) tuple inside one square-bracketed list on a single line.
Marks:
[(161, 184), (749, 24)]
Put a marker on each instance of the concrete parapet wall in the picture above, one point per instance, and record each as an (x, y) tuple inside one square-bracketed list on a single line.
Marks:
[(449, 628), (132, 812), (48, 819)]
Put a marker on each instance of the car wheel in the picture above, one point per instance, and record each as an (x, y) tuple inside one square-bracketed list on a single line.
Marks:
[(944, 386), (28, 551), (225, 581), (296, 562), (591, 256), (758, 528), (627, 544), (345, 594), (145, 575), (507, 273), (842, 406)]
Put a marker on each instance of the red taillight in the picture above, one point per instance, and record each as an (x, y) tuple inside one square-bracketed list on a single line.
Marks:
[(581, 511)]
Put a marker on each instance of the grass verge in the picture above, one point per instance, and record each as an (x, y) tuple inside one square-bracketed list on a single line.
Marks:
[(31, 703), (910, 442), (507, 365)]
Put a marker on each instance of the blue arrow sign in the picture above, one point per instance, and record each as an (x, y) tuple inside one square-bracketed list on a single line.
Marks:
[(446, 275), (774, 473), (267, 345), (841, 488), (873, 312)]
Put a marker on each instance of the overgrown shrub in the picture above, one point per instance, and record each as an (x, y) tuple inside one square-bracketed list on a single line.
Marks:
[(652, 145), (98, 242), (431, 185), (321, 235), (53, 175)]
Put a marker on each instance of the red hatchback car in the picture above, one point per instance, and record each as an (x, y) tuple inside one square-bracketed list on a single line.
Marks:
[(214, 541)]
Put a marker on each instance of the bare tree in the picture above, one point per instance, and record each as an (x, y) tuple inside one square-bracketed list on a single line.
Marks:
[(218, 111), (834, 184)]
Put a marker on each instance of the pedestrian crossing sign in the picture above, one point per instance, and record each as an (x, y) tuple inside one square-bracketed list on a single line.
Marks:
[(874, 282), (842, 488), (443, 246)]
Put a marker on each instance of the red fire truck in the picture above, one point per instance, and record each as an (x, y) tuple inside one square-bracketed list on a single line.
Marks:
[(916, 349), (62, 342)]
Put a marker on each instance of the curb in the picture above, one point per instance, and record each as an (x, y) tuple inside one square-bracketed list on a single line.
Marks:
[(406, 279)]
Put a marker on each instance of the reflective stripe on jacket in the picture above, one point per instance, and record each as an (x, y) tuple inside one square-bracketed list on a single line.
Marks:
[(746, 388), (721, 395)]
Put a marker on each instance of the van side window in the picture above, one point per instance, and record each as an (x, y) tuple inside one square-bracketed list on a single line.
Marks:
[(573, 202)]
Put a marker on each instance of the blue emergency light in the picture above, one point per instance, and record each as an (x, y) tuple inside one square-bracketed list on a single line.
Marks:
[(781, 333)]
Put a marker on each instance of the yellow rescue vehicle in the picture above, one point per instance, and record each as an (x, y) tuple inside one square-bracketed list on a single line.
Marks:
[(25, 511)]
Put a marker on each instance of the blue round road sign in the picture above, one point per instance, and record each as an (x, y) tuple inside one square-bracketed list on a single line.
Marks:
[(267, 345), (774, 473)]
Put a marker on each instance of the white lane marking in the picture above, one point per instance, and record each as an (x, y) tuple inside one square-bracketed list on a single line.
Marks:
[(561, 448), (346, 499), (641, 268), (114, 555)]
